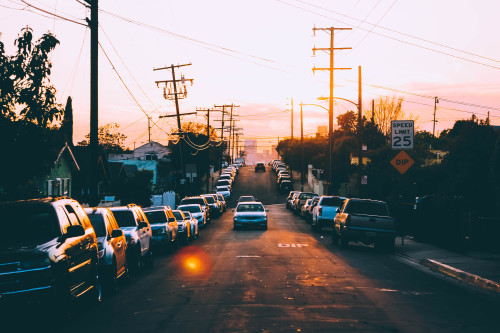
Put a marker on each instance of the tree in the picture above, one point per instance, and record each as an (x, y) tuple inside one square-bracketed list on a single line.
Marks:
[(25, 83), (388, 109), (198, 128), (29, 115), (109, 138), (348, 123)]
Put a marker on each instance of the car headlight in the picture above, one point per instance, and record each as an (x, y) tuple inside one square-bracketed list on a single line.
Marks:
[(35, 263)]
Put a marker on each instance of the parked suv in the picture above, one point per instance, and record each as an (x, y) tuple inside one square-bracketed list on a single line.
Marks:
[(48, 252), (163, 226), (325, 211), (138, 233)]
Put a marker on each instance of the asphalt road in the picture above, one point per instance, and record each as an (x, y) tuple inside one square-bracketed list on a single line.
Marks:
[(285, 279)]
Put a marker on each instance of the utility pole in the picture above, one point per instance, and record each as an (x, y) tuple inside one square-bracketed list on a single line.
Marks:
[(221, 134), (436, 101), (301, 150), (149, 129), (93, 23), (208, 138), (169, 94), (360, 132), (291, 117), (373, 111), (230, 129), (331, 69)]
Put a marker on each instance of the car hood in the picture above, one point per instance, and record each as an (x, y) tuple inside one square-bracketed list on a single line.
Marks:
[(250, 214)]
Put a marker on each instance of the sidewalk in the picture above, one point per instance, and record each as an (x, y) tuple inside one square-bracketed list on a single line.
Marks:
[(481, 269)]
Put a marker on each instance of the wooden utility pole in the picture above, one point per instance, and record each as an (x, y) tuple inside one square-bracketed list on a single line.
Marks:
[(93, 23), (436, 101), (331, 69), (360, 132), (169, 94), (301, 150), (208, 138)]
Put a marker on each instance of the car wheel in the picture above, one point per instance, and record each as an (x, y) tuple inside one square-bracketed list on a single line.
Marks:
[(96, 292), (136, 259), (111, 280), (150, 262), (235, 227), (335, 237), (264, 227), (343, 242)]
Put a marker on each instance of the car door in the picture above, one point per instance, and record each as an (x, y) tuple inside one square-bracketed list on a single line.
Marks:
[(118, 244), (144, 233)]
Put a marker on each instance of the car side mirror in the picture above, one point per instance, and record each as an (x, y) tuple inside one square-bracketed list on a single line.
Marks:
[(143, 225), (74, 231), (116, 233)]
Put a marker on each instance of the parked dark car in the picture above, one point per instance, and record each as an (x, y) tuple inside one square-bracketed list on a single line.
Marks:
[(48, 253), (286, 185), (199, 201)]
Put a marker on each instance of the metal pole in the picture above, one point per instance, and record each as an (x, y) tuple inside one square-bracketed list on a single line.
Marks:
[(360, 132), (94, 105), (330, 116), (301, 150)]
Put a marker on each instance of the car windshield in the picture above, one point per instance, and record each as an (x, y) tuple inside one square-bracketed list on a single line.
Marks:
[(367, 208), (187, 214), (39, 224), (98, 224), (156, 217), (210, 199), (332, 201), (250, 208), (223, 182), (178, 215), (192, 209), (222, 188), (303, 196), (125, 218), (188, 201)]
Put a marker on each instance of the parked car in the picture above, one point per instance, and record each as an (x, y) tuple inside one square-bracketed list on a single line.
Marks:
[(213, 203), (138, 233), (304, 208), (309, 211), (290, 198), (48, 253), (224, 191), (286, 185), (112, 246), (364, 220), (260, 166), (163, 225), (300, 200), (196, 211), (224, 182), (199, 201), (193, 223), (250, 214), (184, 226), (325, 211), (222, 201)]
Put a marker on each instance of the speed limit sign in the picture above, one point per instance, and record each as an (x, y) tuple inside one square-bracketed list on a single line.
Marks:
[(402, 134)]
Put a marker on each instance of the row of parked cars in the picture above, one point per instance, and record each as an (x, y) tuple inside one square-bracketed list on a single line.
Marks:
[(224, 185), (53, 250), (284, 181), (351, 219)]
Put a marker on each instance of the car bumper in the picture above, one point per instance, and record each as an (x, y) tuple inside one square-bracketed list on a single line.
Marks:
[(322, 222), (250, 223), (367, 235)]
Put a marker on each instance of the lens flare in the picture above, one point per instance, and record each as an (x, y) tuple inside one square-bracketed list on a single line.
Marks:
[(194, 261)]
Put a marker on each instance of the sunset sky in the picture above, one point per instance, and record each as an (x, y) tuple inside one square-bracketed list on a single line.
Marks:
[(258, 54)]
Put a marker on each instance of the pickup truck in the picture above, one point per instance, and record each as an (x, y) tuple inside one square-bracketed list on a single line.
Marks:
[(364, 220), (325, 211)]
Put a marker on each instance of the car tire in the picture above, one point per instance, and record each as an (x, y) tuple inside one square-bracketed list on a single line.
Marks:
[(149, 257), (235, 227), (136, 260), (264, 227), (343, 242), (335, 237), (96, 292)]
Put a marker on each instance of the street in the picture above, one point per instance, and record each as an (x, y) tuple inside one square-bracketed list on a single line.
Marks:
[(285, 279)]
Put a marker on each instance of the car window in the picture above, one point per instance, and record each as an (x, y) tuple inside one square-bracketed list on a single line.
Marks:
[(72, 216), (332, 201), (110, 223), (366, 208), (39, 225), (156, 217), (210, 199), (192, 209), (250, 208), (97, 222), (178, 215), (125, 218)]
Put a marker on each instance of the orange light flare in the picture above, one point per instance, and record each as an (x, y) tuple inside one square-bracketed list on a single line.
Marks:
[(193, 261)]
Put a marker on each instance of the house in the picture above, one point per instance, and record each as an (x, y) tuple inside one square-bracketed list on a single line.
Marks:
[(151, 156), (60, 180)]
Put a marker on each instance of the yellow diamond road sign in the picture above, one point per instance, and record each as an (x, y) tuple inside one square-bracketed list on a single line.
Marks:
[(402, 162)]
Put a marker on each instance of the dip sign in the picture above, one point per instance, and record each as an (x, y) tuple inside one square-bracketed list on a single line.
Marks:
[(402, 134)]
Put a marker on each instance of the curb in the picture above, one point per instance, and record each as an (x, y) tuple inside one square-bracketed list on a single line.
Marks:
[(461, 275)]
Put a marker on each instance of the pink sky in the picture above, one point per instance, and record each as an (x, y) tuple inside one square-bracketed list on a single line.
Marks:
[(258, 53)]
